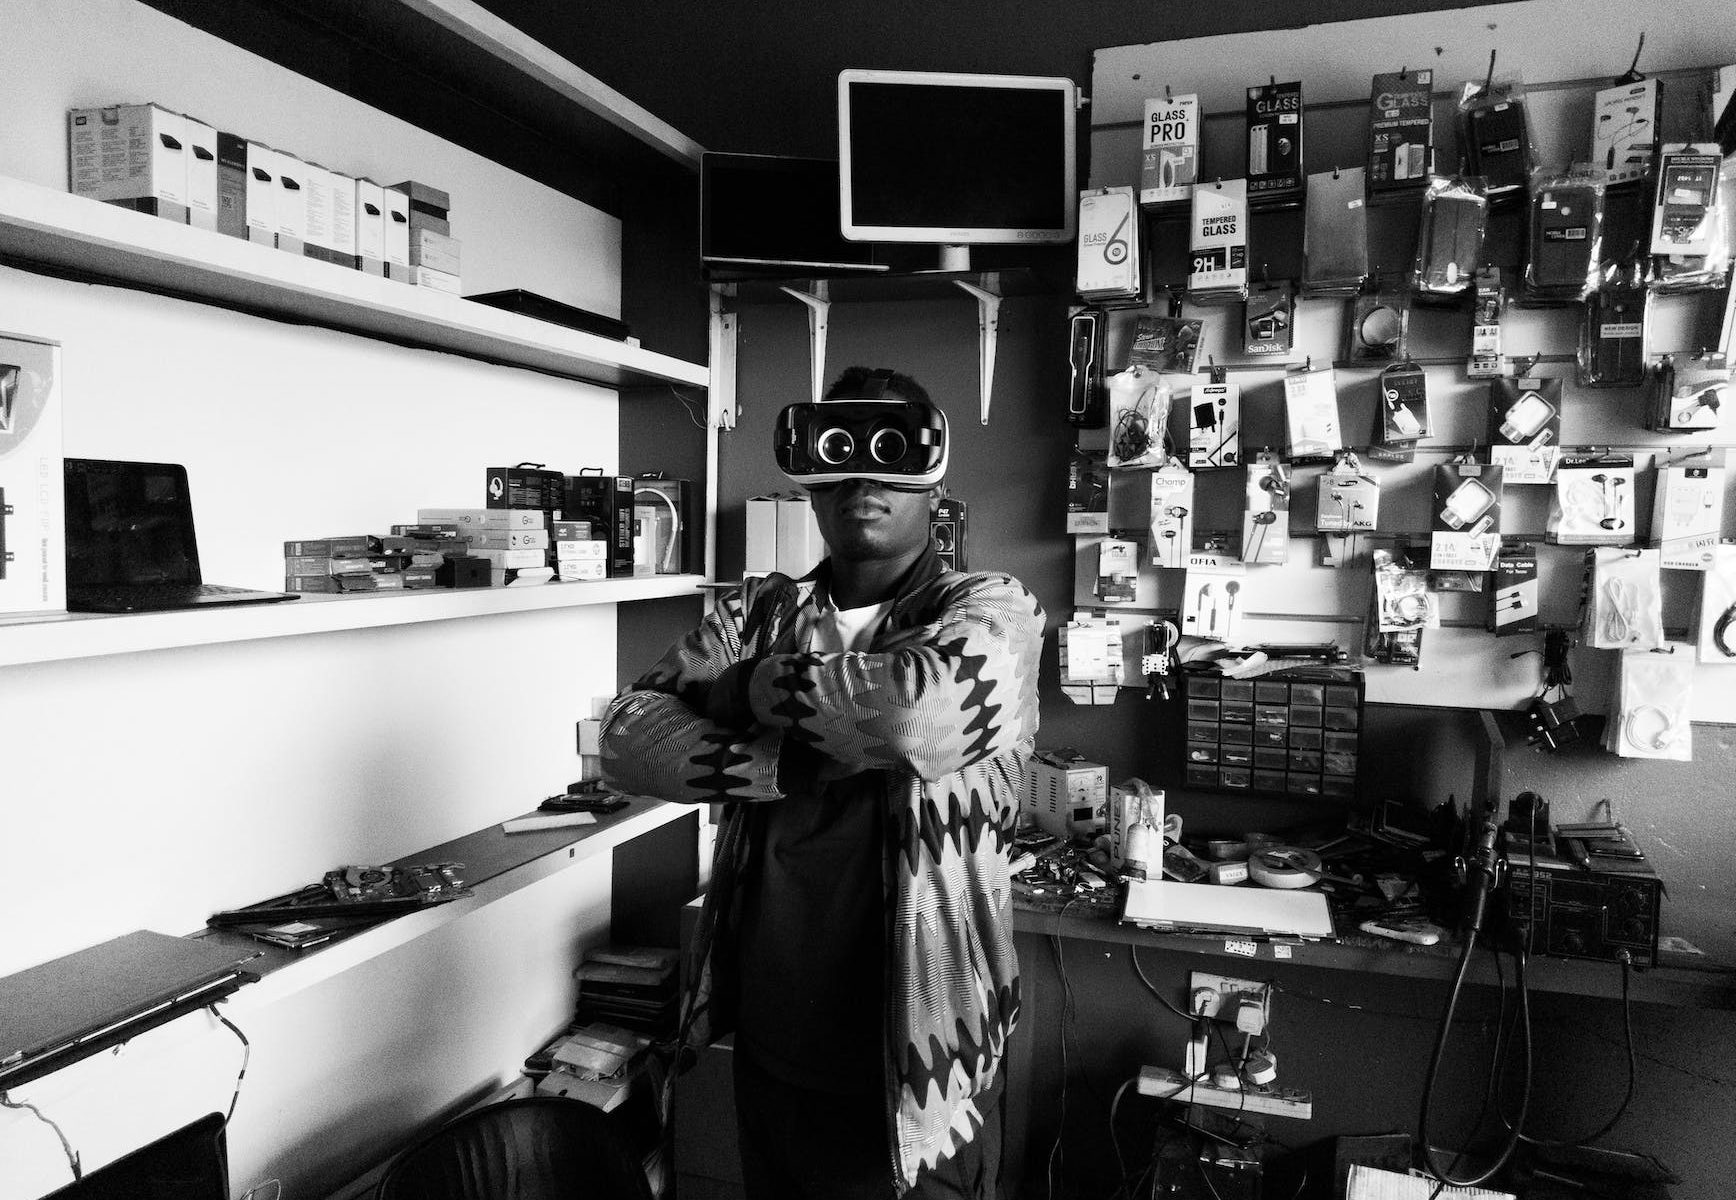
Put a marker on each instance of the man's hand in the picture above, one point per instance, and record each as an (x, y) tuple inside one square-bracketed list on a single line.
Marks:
[(726, 703)]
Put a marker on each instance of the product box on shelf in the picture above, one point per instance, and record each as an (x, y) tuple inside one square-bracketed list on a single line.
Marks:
[(607, 502), (397, 233), (331, 216), (370, 205), (673, 501), (32, 521), (436, 251), (436, 281), (289, 204), (525, 486), (261, 196), (201, 165), (231, 184), (430, 207), (133, 155)]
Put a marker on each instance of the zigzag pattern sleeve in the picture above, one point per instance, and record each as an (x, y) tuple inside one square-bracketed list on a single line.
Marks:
[(932, 699), (655, 742)]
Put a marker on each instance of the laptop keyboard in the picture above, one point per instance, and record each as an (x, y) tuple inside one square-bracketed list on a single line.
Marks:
[(156, 595)]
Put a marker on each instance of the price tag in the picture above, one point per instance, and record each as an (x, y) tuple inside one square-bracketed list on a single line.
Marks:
[(1245, 949)]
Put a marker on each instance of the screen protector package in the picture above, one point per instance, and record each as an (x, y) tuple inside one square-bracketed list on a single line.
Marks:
[(1138, 418), (1622, 602), (1689, 395), (1450, 236), (1335, 235), (1689, 240), (1496, 137), (1401, 131), (1564, 246), (1612, 331), (1218, 243), (1649, 715), (1525, 427), (1274, 174), (1593, 504)]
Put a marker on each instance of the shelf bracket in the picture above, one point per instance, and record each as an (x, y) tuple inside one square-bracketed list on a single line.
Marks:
[(819, 306), (988, 326)]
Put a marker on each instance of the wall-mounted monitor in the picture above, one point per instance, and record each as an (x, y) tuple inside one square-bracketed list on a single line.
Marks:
[(765, 215), (957, 160)]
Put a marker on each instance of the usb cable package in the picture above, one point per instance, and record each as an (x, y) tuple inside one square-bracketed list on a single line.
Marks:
[(1623, 606), (1649, 714)]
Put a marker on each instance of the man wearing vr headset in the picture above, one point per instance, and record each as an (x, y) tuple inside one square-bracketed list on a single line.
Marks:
[(864, 728)]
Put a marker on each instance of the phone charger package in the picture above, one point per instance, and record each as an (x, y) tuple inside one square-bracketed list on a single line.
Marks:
[(1311, 414), (1214, 426), (1466, 517), (1525, 428), (1688, 513)]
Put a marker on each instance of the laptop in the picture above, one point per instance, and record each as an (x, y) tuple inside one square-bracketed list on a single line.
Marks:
[(130, 545), (190, 1163), (69, 1007)]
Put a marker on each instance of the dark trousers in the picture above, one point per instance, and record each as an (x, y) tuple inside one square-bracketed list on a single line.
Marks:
[(801, 1144)]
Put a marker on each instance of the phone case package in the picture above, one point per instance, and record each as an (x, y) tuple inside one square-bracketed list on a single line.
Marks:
[(1564, 241), (1449, 237), (1496, 137)]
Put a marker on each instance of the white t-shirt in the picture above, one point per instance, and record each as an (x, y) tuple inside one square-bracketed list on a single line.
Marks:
[(842, 629)]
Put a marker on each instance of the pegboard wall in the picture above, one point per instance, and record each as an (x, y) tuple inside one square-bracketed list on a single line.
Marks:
[(1551, 47)]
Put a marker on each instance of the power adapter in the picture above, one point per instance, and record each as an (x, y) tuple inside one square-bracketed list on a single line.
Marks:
[(1554, 723)]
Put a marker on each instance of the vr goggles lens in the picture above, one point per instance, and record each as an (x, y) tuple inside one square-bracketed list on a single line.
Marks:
[(895, 442)]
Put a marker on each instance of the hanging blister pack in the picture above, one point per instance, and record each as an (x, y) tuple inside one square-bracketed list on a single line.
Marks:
[(1624, 131), (1650, 711), (1465, 518), (1488, 301), (1378, 321), (1168, 345), (1513, 598), (1335, 235), (1275, 146), (1403, 417), (1266, 513), (1715, 631), (1108, 250), (1138, 418), (1400, 608), (1496, 137), (1172, 505), (1218, 243), (1622, 604), (1593, 504), (1215, 424), (1117, 571), (1086, 398), (1401, 131), (1565, 237), (1450, 236), (1688, 509), (1269, 321), (1312, 428), (1525, 427), (1689, 245), (1169, 163), (1088, 483), (1688, 396), (1612, 331), (1348, 499)]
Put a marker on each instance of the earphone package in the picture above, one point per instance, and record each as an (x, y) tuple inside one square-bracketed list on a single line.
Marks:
[(1172, 504), (1624, 132), (1138, 418), (1377, 323), (1449, 237), (1525, 427), (1649, 714), (1400, 608), (1622, 604), (1349, 500), (1465, 519), (1593, 504), (1688, 395), (1266, 515), (1715, 631)]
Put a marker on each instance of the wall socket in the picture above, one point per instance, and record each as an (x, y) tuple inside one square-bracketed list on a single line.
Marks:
[(1228, 989)]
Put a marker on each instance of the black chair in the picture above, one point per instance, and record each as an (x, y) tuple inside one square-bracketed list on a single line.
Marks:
[(533, 1148)]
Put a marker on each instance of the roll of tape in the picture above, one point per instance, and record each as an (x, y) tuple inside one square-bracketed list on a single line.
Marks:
[(1285, 867)]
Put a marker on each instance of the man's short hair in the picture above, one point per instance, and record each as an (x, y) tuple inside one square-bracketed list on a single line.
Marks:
[(856, 380)]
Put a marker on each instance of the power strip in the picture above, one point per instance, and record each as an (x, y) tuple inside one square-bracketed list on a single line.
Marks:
[(1167, 1084)]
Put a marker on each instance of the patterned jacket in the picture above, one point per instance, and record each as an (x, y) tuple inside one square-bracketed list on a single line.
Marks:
[(945, 703)]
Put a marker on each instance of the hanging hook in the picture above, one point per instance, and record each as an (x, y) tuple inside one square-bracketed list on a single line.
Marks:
[(1168, 97), (1490, 80), (1633, 75)]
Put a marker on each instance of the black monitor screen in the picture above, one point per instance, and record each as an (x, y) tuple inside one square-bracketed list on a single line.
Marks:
[(770, 211), (191, 1163)]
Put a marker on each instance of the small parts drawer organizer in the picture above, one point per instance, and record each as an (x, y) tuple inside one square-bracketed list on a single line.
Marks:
[(1295, 732)]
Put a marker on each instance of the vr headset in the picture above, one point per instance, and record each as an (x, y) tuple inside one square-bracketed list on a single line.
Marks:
[(896, 442)]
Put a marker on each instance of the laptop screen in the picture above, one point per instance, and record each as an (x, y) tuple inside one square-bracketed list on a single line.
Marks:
[(128, 523), (192, 1163)]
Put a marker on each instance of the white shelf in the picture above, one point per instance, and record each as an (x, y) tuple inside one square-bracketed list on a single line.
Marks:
[(60, 636), (43, 226)]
